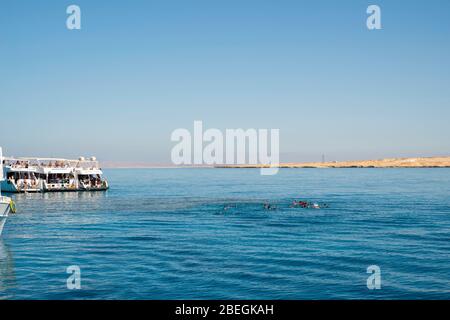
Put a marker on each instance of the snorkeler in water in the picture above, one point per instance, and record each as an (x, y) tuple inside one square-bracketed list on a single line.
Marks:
[(268, 206), (228, 207), (308, 205), (301, 204)]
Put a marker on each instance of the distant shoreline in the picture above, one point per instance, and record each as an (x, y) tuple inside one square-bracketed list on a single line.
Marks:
[(420, 162), (428, 162)]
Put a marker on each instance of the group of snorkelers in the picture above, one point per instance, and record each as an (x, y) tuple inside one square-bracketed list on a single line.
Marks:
[(298, 204), (308, 205), (295, 204)]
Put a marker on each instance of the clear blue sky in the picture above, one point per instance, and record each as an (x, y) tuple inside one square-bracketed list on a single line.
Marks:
[(140, 69)]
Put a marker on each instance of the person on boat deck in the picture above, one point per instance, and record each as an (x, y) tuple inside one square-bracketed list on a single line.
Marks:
[(94, 181)]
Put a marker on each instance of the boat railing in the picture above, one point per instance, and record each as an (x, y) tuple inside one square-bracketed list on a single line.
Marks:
[(60, 185), (18, 166), (48, 166), (56, 164)]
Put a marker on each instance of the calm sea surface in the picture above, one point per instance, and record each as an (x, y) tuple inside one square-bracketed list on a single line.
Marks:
[(164, 234)]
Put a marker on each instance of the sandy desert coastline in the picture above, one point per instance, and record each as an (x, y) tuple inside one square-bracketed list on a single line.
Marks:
[(425, 162), (420, 162)]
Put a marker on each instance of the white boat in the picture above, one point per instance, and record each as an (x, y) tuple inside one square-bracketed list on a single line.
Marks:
[(6, 204), (51, 174), (5, 208)]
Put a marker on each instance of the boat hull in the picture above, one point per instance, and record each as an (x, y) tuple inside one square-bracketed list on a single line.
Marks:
[(11, 188), (8, 187), (4, 212), (75, 190)]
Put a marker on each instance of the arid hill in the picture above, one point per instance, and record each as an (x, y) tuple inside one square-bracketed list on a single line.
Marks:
[(431, 162)]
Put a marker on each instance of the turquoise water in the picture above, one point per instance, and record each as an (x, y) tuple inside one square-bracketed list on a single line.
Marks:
[(164, 234)]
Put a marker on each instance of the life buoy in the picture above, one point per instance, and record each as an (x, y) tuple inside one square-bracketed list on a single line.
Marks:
[(12, 206)]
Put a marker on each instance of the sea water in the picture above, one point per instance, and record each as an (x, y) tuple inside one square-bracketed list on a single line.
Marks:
[(204, 234)]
